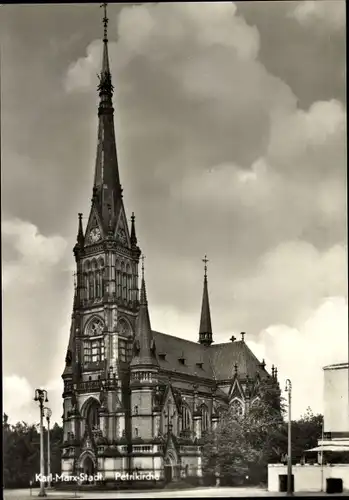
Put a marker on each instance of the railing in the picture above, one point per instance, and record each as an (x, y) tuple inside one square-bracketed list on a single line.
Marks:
[(91, 385)]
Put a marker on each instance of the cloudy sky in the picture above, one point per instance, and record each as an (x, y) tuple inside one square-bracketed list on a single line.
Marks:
[(231, 131)]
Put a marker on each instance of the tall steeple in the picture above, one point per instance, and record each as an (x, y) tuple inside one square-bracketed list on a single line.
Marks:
[(144, 352), (205, 332), (107, 191)]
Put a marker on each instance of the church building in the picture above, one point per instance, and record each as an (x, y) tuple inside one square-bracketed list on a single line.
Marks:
[(137, 400)]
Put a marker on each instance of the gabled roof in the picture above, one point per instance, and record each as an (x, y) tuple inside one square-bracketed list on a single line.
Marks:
[(218, 361), (191, 352), (225, 356)]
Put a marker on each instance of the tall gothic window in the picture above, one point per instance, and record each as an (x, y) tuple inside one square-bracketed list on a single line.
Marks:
[(92, 418), (128, 282), (118, 279), (125, 345), (186, 418), (122, 281), (237, 408), (94, 345), (204, 415), (90, 285), (122, 350), (98, 284)]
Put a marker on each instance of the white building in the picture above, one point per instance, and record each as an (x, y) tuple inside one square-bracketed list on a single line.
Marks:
[(335, 439)]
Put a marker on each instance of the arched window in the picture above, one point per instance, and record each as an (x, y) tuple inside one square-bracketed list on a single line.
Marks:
[(128, 282), (125, 346), (90, 285), (93, 281), (222, 412), (237, 408), (94, 347), (255, 403), (86, 279), (85, 285), (98, 285), (124, 285), (204, 415), (118, 279), (122, 281), (95, 327), (186, 418), (100, 278), (92, 417)]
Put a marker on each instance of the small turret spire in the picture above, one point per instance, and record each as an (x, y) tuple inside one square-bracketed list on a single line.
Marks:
[(205, 332), (143, 298), (144, 351), (80, 238), (133, 231)]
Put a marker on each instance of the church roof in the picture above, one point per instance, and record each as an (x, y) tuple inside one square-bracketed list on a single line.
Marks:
[(191, 353), (218, 361), (225, 356)]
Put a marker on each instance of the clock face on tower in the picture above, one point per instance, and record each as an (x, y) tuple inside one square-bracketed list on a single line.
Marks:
[(95, 235)]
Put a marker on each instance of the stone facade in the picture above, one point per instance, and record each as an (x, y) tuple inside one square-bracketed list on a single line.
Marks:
[(136, 400)]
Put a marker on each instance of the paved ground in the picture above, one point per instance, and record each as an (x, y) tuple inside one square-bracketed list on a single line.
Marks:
[(190, 493)]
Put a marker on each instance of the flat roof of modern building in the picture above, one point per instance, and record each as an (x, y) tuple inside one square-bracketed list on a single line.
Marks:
[(337, 366)]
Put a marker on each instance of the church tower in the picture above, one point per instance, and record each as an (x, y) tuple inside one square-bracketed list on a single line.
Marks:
[(106, 303), (144, 367)]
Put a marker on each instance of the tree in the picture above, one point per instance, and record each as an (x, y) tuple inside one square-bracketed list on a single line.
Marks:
[(243, 446), (305, 433), (21, 452)]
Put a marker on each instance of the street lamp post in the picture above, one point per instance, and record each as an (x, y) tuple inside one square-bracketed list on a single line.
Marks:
[(288, 389), (41, 397), (48, 416)]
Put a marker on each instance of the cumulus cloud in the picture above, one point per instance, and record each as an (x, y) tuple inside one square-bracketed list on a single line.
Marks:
[(35, 252), (216, 156), (301, 353), (19, 404), (329, 13), (17, 396)]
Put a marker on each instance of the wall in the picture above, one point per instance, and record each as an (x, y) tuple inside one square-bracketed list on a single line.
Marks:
[(308, 477), (336, 398)]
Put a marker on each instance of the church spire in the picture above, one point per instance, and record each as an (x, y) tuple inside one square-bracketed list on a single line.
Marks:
[(107, 191), (205, 332), (144, 353)]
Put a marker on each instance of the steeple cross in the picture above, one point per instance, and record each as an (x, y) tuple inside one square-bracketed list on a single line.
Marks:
[(105, 21), (205, 260)]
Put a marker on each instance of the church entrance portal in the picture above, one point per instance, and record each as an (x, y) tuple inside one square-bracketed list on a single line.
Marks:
[(88, 468), (171, 469), (168, 473)]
